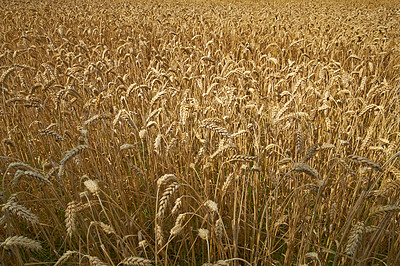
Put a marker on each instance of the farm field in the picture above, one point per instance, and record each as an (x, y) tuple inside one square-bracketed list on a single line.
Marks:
[(199, 132)]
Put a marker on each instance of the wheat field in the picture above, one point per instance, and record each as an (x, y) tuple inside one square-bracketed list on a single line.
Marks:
[(199, 132)]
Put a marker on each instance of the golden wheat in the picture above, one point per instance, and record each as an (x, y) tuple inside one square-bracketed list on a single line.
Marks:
[(161, 124)]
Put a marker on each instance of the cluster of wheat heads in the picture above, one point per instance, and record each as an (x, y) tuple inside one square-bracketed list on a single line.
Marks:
[(199, 133)]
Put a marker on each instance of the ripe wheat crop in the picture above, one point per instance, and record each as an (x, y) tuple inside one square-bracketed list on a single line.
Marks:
[(199, 132)]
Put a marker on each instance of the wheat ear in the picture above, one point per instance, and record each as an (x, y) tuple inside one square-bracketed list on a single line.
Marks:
[(65, 257), (305, 168), (21, 241), (355, 238), (136, 261)]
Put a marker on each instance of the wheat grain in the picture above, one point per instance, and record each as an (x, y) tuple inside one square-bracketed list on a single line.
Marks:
[(311, 152), (126, 146), (129, 121), (219, 229), (365, 161), (347, 167), (355, 238), (305, 168), (380, 210), (68, 254), (106, 228), (6, 73), (326, 146), (211, 205), (143, 134), (297, 115), (177, 206), (20, 211), (70, 217), (139, 172), (138, 261), (178, 224), (21, 166), (70, 154), (159, 235), (227, 183), (157, 97), (166, 178), (20, 241), (219, 130), (95, 261), (157, 143), (204, 233), (299, 141), (92, 186), (172, 145), (48, 132), (211, 120), (30, 174), (96, 118), (167, 194), (242, 158)]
